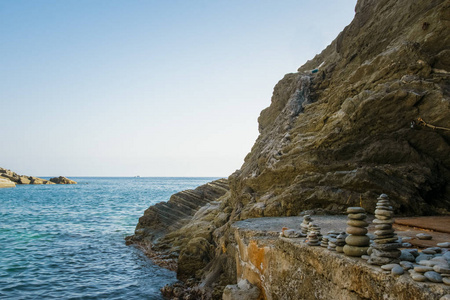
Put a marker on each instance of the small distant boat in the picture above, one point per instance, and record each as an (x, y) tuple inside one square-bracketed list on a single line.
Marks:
[(137, 176)]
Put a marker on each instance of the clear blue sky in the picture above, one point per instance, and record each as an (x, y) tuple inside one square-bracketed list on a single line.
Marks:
[(150, 88)]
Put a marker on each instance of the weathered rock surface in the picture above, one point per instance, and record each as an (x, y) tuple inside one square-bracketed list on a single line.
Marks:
[(4, 183), (62, 180), (337, 138)]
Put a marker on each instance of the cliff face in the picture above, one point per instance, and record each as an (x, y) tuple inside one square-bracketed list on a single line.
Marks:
[(344, 133), (341, 135)]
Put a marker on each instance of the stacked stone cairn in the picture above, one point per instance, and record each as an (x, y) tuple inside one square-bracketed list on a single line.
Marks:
[(357, 241), (385, 247), (324, 242), (314, 236), (305, 224), (332, 240), (340, 242)]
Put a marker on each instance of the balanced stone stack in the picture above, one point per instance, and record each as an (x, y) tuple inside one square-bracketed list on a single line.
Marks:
[(305, 224), (340, 242), (332, 240), (324, 242), (386, 244), (357, 242), (314, 235)]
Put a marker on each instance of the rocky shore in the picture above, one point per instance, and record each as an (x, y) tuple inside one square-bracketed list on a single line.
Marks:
[(15, 178), (368, 115)]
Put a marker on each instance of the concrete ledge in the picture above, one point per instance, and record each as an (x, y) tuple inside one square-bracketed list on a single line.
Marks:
[(286, 268)]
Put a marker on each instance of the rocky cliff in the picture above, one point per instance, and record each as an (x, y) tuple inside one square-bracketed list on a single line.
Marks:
[(368, 115)]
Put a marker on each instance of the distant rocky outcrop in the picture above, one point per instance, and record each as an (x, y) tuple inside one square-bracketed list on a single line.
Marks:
[(62, 180), (368, 115), (23, 179)]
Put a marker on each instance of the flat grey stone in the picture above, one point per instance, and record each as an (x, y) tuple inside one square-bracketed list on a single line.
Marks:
[(357, 216), (355, 210), (389, 267), (406, 255), (433, 276), (423, 257), (397, 270), (444, 245), (424, 236), (387, 253), (422, 269), (406, 245), (358, 240), (377, 221), (446, 280), (407, 265), (383, 212), (418, 277), (428, 251), (357, 223), (441, 269)]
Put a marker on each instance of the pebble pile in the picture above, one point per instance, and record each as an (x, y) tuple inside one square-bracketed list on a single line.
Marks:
[(385, 247), (357, 241)]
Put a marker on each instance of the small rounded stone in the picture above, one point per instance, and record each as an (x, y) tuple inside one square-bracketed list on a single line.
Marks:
[(378, 221), (389, 267), (446, 280), (444, 245), (355, 210), (356, 230), (380, 217), (424, 236), (433, 276), (422, 269), (355, 251), (357, 216), (383, 212), (358, 240), (397, 270), (418, 277), (357, 223), (441, 269), (383, 196), (383, 226), (384, 232)]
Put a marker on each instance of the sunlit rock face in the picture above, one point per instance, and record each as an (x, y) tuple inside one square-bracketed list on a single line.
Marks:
[(350, 131)]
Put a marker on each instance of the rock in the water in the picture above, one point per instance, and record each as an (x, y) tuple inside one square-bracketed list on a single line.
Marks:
[(62, 180)]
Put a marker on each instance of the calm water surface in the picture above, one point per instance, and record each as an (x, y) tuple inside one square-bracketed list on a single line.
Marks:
[(67, 241)]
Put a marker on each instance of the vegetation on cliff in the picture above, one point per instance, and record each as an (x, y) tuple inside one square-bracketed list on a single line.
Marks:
[(341, 135)]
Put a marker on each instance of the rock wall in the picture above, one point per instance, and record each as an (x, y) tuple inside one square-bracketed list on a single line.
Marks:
[(289, 269)]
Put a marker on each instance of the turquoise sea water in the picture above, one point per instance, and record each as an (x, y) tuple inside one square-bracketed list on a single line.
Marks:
[(67, 241)]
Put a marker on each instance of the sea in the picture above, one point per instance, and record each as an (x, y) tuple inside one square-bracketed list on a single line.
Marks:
[(67, 241)]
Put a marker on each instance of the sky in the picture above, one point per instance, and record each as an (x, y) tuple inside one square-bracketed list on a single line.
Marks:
[(149, 88)]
